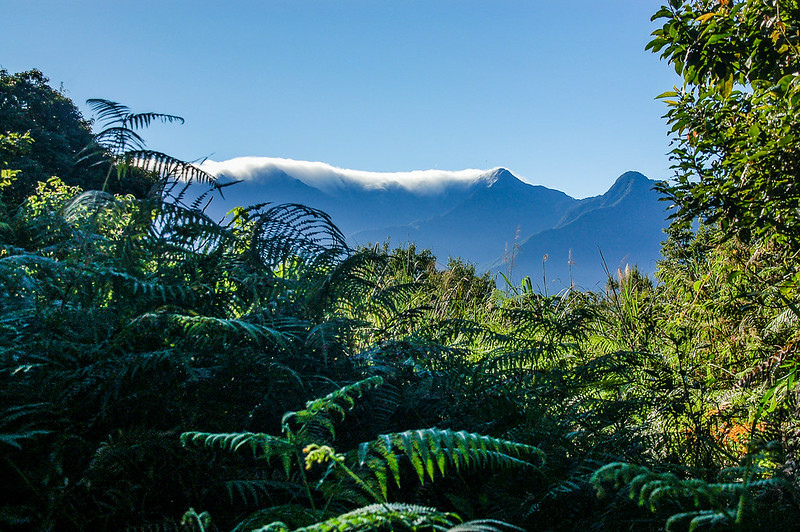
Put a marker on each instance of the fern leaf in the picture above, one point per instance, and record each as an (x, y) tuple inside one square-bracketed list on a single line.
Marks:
[(433, 449), (484, 525), (253, 491), (336, 401), (382, 516), (261, 445), (279, 518)]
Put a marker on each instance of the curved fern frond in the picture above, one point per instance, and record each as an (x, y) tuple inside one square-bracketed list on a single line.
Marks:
[(119, 135), (337, 401), (264, 446), (112, 112), (715, 503), (16, 428), (435, 452), (279, 518), (87, 202), (379, 517), (701, 518), (483, 525), (286, 234), (207, 328), (117, 140), (166, 166)]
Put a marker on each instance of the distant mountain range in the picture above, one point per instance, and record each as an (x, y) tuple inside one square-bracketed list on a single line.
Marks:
[(487, 217)]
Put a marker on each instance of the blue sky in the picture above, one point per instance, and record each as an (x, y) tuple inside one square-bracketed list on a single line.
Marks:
[(561, 93)]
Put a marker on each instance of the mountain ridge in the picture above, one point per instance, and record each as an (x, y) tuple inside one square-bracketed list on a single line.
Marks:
[(482, 216)]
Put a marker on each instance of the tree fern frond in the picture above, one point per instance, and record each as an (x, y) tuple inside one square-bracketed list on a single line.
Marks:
[(253, 491), (280, 517), (113, 112), (714, 503), (287, 232), (701, 518), (117, 140), (143, 120), (483, 525), (106, 110), (89, 201), (432, 450), (506, 360), (380, 516), (14, 439), (166, 166), (337, 401), (261, 445), (206, 328)]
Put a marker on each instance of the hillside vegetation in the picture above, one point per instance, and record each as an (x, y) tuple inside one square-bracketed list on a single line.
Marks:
[(162, 371)]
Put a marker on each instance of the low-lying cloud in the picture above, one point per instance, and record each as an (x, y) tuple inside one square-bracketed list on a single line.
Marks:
[(329, 178)]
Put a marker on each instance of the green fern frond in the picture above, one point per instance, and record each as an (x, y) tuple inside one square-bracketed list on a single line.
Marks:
[(91, 201), (14, 439), (254, 491), (380, 516), (203, 328), (167, 166), (434, 450), (337, 401), (483, 525), (262, 446), (120, 124), (704, 518), (279, 518), (715, 503), (113, 112), (290, 231)]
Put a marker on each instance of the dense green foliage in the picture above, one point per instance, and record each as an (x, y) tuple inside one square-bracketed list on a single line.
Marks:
[(154, 362), (735, 119)]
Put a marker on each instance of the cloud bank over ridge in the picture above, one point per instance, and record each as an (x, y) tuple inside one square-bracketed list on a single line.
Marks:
[(329, 178)]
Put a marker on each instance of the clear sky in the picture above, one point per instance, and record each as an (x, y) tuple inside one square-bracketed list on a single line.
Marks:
[(560, 92)]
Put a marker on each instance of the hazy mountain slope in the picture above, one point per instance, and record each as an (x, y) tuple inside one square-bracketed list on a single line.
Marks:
[(626, 224), (355, 200), (472, 214), (480, 227)]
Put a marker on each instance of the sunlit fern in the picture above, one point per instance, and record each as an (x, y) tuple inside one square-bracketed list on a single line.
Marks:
[(436, 453), (395, 516)]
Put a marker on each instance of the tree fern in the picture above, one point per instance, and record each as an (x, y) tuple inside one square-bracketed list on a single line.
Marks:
[(120, 140)]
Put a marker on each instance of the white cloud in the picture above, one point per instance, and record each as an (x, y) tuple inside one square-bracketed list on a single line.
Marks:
[(329, 178)]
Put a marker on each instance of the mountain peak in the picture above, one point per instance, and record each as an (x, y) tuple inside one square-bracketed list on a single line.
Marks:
[(632, 179), (502, 178), (501, 173), (627, 183)]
